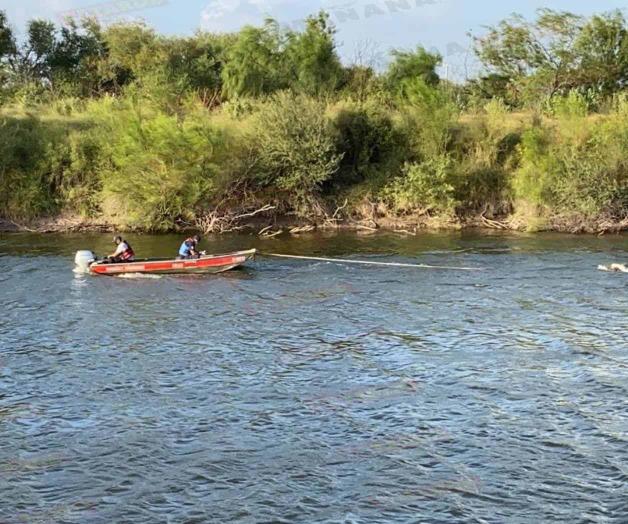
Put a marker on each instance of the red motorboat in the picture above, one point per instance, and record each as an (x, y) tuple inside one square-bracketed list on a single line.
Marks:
[(209, 264)]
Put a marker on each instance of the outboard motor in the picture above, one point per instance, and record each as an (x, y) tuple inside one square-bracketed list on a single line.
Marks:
[(83, 260)]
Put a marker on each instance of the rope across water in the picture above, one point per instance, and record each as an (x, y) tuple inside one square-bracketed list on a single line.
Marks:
[(371, 263)]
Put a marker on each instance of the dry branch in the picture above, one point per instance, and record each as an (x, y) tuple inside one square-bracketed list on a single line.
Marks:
[(215, 222), (405, 232), (265, 230), (273, 234), (303, 229), (493, 224), (339, 209), (366, 228)]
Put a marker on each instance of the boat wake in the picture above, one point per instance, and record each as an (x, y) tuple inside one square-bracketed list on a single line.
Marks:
[(139, 276)]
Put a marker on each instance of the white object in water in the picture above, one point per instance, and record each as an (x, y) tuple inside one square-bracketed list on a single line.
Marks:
[(614, 268), (83, 260)]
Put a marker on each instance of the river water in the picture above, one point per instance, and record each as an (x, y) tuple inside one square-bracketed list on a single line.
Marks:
[(314, 392)]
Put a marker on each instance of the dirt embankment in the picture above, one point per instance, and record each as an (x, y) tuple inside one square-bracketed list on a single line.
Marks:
[(269, 226), (54, 225)]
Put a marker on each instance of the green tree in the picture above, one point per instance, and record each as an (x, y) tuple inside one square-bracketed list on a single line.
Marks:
[(50, 56), (34, 58), (254, 63), (410, 65), (312, 58), (490, 87), (8, 49), (7, 39), (76, 56), (199, 61), (133, 51), (558, 52), (602, 48)]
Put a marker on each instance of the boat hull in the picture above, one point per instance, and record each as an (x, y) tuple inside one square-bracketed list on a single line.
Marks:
[(213, 264)]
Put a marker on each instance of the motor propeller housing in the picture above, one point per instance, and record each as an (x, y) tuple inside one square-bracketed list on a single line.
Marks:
[(83, 259)]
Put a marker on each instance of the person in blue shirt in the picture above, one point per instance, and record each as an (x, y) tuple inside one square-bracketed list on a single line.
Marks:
[(189, 248)]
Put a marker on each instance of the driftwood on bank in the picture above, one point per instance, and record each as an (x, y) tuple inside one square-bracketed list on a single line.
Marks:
[(225, 222), (21, 227), (273, 234), (405, 232), (268, 232), (302, 229), (54, 225), (610, 226), (491, 223), (364, 227)]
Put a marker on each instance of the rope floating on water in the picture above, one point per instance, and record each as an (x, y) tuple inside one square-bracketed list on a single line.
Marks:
[(370, 263)]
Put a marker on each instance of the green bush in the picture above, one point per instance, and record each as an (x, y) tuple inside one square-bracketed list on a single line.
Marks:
[(295, 149), (161, 168), (485, 152), (430, 115), (27, 175), (371, 142), (575, 167), (573, 105), (82, 161), (424, 187)]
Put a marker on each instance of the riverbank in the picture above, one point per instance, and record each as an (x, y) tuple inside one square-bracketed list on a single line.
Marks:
[(167, 143), (54, 225), (279, 225)]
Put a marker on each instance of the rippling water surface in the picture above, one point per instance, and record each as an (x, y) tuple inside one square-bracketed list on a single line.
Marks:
[(315, 392)]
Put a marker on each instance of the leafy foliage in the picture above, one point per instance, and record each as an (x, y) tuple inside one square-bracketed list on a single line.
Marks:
[(429, 114), (266, 59), (152, 132), (410, 66), (575, 169), (371, 142), (314, 66), (558, 52), (425, 187), (8, 47), (254, 65), (160, 170), (296, 148)]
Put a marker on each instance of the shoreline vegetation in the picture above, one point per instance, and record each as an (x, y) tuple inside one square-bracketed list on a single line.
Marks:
[(266, 130), (271, 226)]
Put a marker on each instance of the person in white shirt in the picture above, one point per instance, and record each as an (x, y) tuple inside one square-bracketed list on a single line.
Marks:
[(123, 253)]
